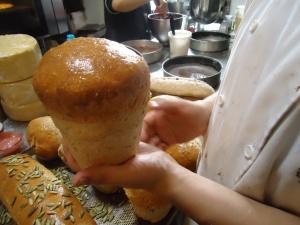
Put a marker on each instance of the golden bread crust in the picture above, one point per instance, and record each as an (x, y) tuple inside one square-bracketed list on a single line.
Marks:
[(147, 205), (186, 154), (76, 79), (44, 137), (26, 191)]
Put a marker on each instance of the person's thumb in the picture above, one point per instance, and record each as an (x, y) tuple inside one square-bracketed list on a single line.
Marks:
[(162, 102)]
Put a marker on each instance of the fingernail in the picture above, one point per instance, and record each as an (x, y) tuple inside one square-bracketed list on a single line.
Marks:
[(153, 104)]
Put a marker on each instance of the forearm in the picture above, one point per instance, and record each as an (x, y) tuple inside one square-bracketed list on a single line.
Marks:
[(204, 106), (211, 203), (127, 6)]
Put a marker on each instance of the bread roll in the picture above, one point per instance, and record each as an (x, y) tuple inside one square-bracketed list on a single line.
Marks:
[(19, 57), (44, 137), (96, 92), (24, 112), (186, 88), (187, 154), (147, 205), (152, 207), (33, 195)]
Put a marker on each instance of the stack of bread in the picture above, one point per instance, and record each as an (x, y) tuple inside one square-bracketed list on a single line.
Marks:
[(19, 57)]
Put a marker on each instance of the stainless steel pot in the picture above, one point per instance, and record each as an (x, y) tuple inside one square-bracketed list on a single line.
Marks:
[(160, 25), (179, 6), (206, 41), (206, 11)]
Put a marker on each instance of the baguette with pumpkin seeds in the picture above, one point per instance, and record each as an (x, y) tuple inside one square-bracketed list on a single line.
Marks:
[(34, 196)]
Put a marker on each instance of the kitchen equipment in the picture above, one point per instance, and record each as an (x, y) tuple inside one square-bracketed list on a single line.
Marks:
[(179, 43), (206, 11), (150, 50), (172, 25), (37, 18), (160, 25), (206, 41), (194, 67), (179, 6)]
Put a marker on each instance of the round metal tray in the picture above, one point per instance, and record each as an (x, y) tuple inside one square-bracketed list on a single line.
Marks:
[(194, 67), (205, 41), (150, 50)]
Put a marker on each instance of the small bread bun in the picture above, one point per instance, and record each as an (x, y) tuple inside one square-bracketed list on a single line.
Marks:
[(152, 207), (186, 154), (148, 206), (44, 137)]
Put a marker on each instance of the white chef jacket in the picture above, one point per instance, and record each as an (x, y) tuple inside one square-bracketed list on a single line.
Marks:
[(253, 144)]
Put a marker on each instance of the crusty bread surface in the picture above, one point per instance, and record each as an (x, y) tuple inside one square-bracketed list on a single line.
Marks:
[(33, 195), (187, 154), (96, 92), (186, 88), (92, 79), (44, 137), (148, 206)]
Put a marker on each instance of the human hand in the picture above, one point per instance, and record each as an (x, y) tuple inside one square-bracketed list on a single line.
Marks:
[(66, 156), (161, 7), (149, 169), (173, 120)]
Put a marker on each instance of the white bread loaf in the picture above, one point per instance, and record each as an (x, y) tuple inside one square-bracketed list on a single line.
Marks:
[(96, 92), (24, 112), (18, 93), (19, 57)]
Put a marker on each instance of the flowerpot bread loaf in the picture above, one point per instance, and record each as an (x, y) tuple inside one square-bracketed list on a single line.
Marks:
[(96, 92)]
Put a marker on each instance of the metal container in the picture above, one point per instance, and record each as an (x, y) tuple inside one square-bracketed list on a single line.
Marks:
[(206, 11), (150, 50), (206, 41), (179, 6), (194, 67), (160, 25)]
